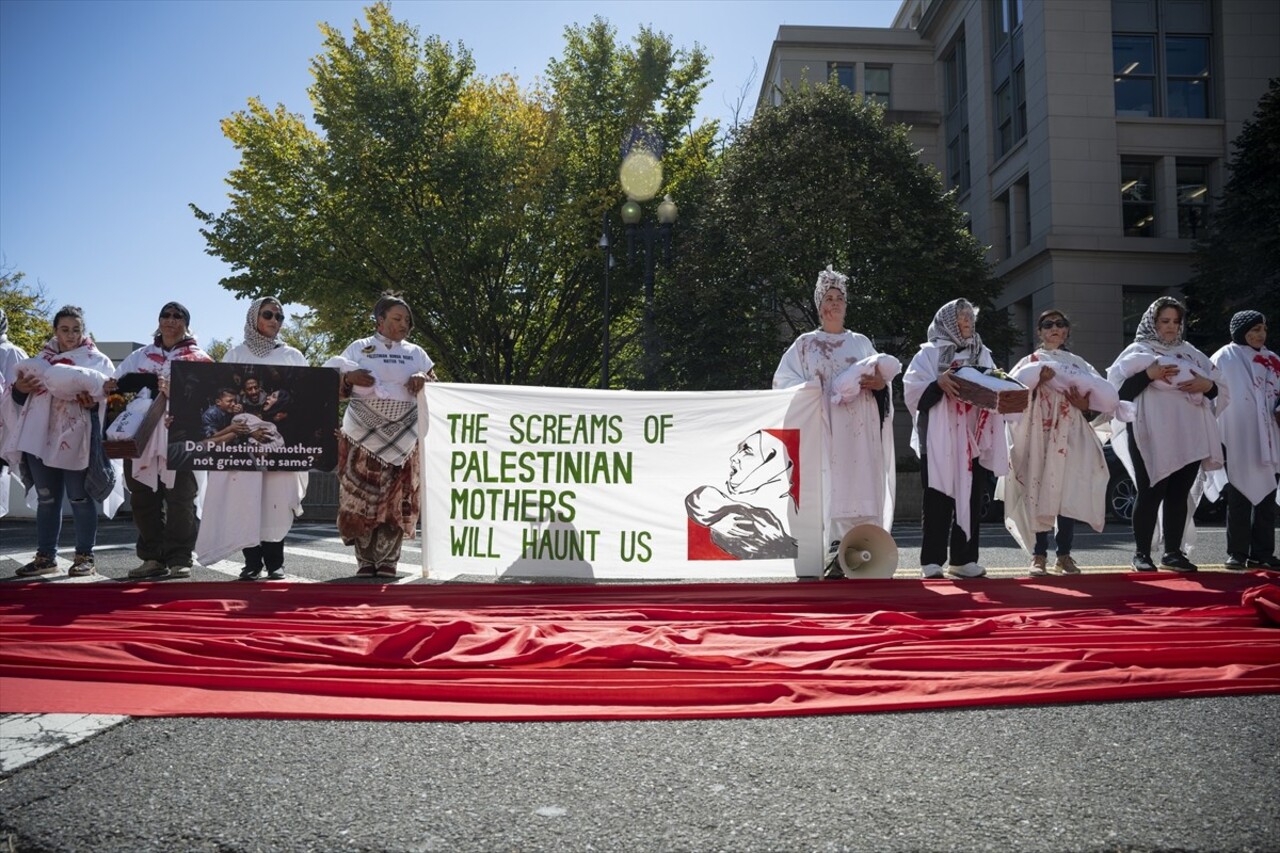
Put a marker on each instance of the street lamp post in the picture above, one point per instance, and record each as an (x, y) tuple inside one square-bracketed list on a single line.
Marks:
[(649, 235), (607, 246)]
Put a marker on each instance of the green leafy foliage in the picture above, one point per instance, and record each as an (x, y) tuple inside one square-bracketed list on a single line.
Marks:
[(1237, 264), (820, 179), (28, 311), (478, 202)]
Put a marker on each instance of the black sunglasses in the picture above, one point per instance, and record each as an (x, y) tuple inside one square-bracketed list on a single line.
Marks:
[(169, 315), (271, 315), (1050, 324)]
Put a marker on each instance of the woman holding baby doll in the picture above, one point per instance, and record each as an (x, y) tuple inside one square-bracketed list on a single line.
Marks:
[(959, 444), (378, 444), (858, 414), (1175, 390), (54, 428), (1057, 470)]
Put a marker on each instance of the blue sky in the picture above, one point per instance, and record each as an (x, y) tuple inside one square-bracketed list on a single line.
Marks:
[(110, 115)]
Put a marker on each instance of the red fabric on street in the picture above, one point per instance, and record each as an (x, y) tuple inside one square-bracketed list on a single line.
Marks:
[(561, 652)]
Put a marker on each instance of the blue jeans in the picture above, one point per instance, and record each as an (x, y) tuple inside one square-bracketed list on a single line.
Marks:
[(51, 484), (1066, 533)]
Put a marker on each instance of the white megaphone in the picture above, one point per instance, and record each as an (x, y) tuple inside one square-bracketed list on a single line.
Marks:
[(868, 551)]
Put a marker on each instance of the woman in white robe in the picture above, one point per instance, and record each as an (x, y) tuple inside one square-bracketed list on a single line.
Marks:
[(1175, 389), (1251, 373), (54, 438), (858, 457), (10, 355), (1057, 471), (252, 511), (960, 445)]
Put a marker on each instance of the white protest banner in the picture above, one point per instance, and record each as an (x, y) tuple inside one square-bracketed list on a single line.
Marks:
[(558, 482)]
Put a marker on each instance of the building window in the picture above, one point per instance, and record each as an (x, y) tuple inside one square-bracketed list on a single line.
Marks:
[(953, 67), (843, 73), (958, 162), (1193, 199), (957, 117), (1008, 76), (1161, 58), (1187, 77), (1003, 212), (876, 84), (1138, 198), (1135, 69), (1022, 222), (1004, 119), (1006, 17)]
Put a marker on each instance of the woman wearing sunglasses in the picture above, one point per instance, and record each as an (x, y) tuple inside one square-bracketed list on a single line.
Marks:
[(252, 511), (164, 502), (1175, 389), (1057, 474)]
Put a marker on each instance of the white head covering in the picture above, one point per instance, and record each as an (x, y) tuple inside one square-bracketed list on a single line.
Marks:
[(1147, 333), (828, 279), (258, 343), (944, 332)]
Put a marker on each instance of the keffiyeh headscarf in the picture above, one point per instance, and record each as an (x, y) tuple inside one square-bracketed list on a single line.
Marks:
[(1243, 321), (828, 279), (4, 326), (1147, 333), (258, 343), (944, 332)]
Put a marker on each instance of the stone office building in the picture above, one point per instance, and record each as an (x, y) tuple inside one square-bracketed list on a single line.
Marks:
[(1086, 139)]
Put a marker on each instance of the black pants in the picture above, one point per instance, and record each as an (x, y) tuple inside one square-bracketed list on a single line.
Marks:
[(165, 517), (269, 554), (1172, 491), (1251, 529), (938, 526)]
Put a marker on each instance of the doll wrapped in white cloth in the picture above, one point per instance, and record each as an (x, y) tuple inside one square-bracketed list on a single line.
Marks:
[(848, 384), (1104, 398), (64, 381)]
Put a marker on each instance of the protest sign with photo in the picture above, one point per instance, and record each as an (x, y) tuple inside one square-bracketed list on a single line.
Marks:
[(252, 417)]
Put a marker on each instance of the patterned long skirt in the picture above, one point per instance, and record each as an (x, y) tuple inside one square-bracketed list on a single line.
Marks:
[(372, 493)]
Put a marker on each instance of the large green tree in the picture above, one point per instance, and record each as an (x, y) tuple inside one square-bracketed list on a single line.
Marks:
[(1237, 264), (820, 179), (27, 309), (479, 202)]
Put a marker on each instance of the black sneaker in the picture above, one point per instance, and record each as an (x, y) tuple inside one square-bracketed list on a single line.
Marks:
[(82, 566), (248, 574), (1272, 563), (43, 564), (1234, 563), (1177, 561), (1142, 563)]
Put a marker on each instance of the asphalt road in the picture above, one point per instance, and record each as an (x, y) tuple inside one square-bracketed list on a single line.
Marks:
[(1186, 774)]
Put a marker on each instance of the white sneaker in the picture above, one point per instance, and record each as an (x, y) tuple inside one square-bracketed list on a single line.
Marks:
[(968, 570), (933, 570)]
